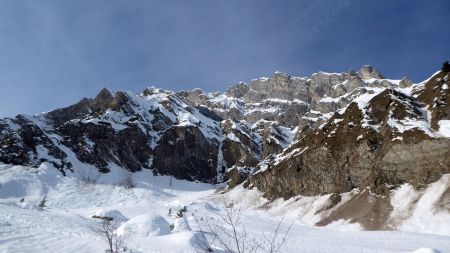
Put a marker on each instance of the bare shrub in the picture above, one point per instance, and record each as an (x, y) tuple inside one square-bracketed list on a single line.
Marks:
[(273, 242), (203, 238), (229, 233), (108, 231)]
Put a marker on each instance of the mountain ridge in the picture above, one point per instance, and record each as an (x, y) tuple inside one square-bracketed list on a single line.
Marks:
[(207, 134)]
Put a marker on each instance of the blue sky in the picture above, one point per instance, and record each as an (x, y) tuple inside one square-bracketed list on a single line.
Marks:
[(53, 53)]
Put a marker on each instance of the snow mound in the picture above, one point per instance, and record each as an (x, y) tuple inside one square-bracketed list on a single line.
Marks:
[(24, 186), (425, 217), (17, 187), (110, 214), (181, 224), (426, 250), (444, 128), (145, 225)]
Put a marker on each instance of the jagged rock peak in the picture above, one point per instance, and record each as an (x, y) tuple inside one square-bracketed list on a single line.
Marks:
[(238, 90), (280, 75), (197, 90), (104, 94), (368, 72)]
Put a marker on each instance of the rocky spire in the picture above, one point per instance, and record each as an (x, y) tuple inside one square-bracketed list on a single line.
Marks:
[(367, 72)]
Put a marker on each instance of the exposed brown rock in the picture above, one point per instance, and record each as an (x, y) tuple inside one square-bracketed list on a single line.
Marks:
[(436, 94), (443, 204), (236, 153), (369, 210), (185, 153), (333, 200), (25, 146), (357, 150), (127, 148), (236, 176)]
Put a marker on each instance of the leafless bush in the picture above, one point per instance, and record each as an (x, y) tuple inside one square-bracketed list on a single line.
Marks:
[(203, 238), (229, 233), (108, 231), (273, 242)]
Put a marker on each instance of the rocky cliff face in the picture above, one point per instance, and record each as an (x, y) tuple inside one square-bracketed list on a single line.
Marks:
[(330, 132), (380, 140)]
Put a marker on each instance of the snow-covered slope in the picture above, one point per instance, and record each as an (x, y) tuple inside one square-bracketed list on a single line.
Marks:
[(65, 223)]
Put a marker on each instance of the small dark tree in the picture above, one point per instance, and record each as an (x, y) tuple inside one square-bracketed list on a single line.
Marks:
[(43, 201), (446, 67)]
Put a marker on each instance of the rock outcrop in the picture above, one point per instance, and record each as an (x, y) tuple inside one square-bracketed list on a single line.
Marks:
[(185, 153), (378, 141)]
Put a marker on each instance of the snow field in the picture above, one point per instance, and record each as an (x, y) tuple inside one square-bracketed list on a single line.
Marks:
[(65, 223)]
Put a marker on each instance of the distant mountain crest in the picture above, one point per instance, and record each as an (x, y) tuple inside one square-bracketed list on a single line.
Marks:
[(200, 136)]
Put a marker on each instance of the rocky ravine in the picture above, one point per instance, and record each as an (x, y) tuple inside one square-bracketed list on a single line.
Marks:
[(328, 133)]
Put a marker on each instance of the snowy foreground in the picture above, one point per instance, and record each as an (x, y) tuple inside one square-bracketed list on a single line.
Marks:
[(65, 223)]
